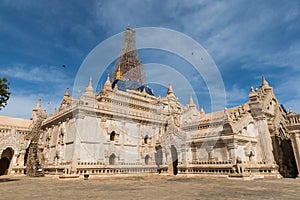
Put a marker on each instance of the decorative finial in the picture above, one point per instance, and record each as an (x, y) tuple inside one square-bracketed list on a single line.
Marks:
[(67, 92), (38, 105), (119, 74), (116, 87), (253, 94), (202, 112), (91, 81), (170, 90), (252, 90), (264, 82)]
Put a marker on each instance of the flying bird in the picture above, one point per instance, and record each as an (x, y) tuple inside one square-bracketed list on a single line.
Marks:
[(64, 66)]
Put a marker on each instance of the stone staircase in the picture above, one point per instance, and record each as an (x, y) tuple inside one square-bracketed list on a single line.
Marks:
[(33, 165)]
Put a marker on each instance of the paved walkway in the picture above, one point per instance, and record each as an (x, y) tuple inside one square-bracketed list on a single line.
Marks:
[(147, 187)]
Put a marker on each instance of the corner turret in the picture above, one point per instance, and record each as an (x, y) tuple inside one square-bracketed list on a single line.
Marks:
[(170, 93), (37, 111), (66, 101), (191, 104), (107, 84), (202, 112), (89, 95)]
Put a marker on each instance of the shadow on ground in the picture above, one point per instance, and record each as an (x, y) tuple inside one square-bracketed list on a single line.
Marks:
[(8, 180)]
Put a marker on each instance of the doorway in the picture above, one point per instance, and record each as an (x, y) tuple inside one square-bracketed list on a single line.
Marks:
[(158, 157), (284, 157), (174, 159), (147, 157), (112, 159), (5, 161)]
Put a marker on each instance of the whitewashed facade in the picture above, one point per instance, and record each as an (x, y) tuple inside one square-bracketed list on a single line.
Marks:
[(119, 131)]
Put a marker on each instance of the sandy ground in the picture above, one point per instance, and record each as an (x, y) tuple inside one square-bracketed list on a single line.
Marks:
[(147, 187)]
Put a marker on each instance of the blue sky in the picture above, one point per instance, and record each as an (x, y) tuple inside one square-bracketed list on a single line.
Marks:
[(244, 38)]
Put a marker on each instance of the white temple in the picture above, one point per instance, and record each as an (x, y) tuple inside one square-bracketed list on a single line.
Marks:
[(126, 129)]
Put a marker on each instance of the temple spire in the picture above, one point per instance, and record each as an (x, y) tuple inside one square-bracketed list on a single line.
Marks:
[(128, 62)]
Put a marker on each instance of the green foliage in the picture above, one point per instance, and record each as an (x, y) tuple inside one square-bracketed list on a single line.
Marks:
[(4, 93)]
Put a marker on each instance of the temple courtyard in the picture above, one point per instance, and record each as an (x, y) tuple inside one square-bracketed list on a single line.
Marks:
[(147, 187)]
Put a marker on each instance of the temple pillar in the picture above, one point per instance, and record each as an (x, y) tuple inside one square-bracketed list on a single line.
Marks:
[(184, 152), (21, 158), (231, 148), (194, 153), (210, 152)]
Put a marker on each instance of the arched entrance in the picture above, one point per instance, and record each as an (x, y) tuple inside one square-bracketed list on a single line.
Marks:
[(284, 157), (174, 159), (146, 138), (112, 159), (4, 165), (5, 160), (158, 157), (112, 136), (147, 157)]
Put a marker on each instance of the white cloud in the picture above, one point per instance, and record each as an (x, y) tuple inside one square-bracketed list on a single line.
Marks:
[(288, 93), (45, 82), (288, 58), (42, 73), (247, 35), (235, 95), (230, 30), (21, 106)]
